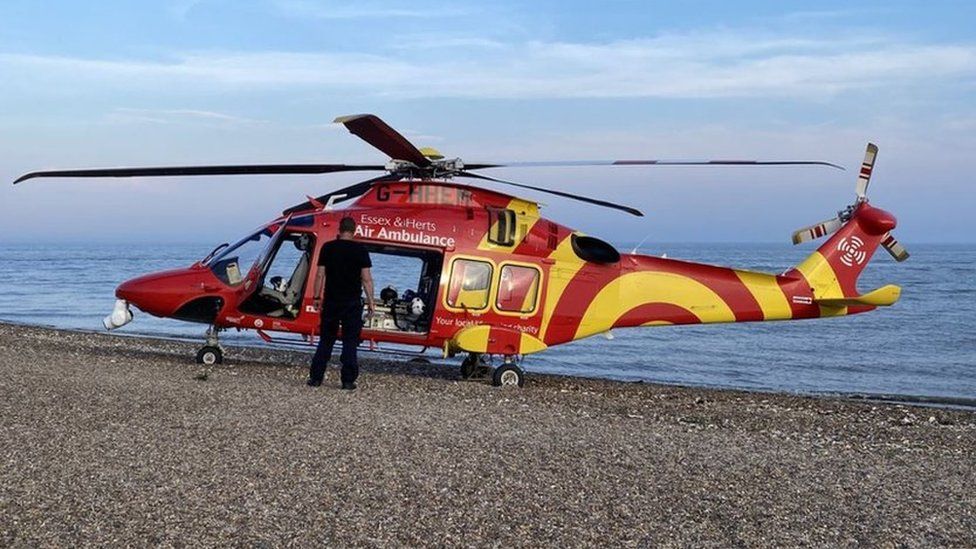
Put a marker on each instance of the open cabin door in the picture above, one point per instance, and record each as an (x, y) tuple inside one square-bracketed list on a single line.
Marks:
[(407, 280)]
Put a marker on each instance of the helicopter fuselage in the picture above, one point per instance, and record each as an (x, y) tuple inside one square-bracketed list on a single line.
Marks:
[(494, 278)]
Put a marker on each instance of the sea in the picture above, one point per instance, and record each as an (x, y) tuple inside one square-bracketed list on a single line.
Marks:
[(924, 347)]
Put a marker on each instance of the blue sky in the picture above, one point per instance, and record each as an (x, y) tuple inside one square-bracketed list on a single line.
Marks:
[(215, 81)]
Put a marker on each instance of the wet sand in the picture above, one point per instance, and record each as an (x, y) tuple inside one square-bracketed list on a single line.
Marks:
[(110, 440)]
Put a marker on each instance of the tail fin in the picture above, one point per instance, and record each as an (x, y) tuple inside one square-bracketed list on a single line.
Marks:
[(832, 271)]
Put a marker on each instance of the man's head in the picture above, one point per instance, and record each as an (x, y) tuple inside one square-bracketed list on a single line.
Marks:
[(347, 226)]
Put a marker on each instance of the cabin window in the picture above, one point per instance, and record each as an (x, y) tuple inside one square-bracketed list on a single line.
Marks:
[(518, 289), (502, 229), (235, 261), (470, 282)]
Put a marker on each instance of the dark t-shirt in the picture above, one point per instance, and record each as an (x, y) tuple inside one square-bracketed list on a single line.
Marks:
[(344, 261)]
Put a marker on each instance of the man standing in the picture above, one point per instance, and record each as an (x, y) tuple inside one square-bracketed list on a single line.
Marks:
[(343, 271)]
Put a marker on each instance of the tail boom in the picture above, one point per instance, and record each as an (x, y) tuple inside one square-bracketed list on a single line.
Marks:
[(650, 291), (644, 290), (654, 291)]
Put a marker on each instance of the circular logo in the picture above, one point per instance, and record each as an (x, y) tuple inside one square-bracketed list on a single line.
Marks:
[(258, 323), (852, 252)]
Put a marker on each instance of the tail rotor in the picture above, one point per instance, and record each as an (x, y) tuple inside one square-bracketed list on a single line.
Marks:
[(830, 226), (864, 176), (894, 248), (814, 232)]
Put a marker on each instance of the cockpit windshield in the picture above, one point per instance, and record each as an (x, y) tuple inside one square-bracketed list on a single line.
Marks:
[(232, 264)]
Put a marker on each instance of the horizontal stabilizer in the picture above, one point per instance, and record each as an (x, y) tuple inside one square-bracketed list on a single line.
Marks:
[(882, 297)]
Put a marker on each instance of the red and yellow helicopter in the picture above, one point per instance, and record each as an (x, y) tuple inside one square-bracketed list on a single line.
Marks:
[(494, 279)]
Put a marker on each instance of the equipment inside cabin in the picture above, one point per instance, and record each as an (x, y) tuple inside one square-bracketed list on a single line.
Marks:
[(395, 312), (417, 269)]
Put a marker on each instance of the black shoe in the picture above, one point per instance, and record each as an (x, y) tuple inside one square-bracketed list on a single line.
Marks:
[(313, 383), (348, 386)]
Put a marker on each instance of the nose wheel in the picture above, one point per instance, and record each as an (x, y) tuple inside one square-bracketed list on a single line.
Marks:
[(211, 353)]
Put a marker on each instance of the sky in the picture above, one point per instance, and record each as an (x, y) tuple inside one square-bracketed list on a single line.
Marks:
[(176, 82)]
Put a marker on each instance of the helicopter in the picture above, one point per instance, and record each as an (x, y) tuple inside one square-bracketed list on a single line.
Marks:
[(495, 281)]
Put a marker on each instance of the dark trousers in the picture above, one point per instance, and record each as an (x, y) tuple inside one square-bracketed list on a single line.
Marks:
[(349, 314)]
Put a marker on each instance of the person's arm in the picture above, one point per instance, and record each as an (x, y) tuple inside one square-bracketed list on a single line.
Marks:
[(368, 286), (319, 287)]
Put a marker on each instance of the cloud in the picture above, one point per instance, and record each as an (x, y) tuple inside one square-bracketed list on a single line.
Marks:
[(960, 123), (822, 15), (444, 41), (180, 9), (363, 10), (177, 116), (692, 65)]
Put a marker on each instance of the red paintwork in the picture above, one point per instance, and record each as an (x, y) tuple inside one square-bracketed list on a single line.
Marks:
[(640, 315), (163, 293), (875, 221)]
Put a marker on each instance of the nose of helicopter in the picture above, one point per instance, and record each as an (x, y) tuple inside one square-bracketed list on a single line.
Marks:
[(137, 291), (163, 293)]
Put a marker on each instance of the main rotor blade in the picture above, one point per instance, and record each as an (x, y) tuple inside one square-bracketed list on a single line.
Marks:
[(379, 134), (864, 176), (343, 194), (174, 171), (814, 232), (577, 163), (605, 204), (894, 248)]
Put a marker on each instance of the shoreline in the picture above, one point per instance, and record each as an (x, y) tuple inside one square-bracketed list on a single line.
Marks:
[(923, 401), (108, 439)]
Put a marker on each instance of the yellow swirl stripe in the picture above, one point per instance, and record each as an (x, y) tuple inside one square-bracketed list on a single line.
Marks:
[(561, 273), (768, 294), (633, 289), (822, 278)]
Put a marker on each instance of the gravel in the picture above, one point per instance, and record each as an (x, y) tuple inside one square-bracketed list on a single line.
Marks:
[(111, 440)]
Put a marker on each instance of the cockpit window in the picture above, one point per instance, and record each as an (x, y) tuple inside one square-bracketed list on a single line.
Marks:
[(233, 263)]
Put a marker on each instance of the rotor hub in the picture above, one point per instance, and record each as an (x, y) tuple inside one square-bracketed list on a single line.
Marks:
[(441, 168)]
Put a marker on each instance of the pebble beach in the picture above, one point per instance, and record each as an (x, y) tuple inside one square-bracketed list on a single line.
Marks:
[(108, 440)]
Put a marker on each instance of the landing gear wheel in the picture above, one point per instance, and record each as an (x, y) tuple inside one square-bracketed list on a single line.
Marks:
[(468, 366), (210, 355), (474, 366), (508, 375)]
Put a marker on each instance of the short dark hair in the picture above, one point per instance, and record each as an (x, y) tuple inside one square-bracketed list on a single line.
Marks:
[(347, 225)]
